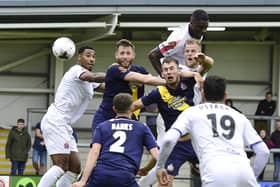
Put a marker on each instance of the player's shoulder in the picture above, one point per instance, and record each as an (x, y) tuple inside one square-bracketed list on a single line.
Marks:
[(178, 33), (138, 68)]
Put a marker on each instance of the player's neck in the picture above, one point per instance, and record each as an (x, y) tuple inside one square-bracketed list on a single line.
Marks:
[(124, 115)]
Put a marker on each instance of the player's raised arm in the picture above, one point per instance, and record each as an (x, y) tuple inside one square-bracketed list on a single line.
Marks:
[(144, 79), (93, 77), (205, 61), (195, 75), (154, 57)]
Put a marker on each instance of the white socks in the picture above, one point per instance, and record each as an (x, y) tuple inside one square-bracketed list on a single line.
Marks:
[(67, 179), (149, 179), (51, 176)]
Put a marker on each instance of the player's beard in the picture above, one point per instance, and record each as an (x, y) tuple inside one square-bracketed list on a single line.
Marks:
[(125, 63)]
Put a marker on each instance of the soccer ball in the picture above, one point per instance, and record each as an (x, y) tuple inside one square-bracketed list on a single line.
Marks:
[(63, 48)]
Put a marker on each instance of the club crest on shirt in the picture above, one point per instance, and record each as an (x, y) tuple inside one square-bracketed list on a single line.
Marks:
[(66, 146), (177, 102), (170, 167)]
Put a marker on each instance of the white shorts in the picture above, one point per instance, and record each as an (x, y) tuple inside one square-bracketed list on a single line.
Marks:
[(58, 136), (233, 174)]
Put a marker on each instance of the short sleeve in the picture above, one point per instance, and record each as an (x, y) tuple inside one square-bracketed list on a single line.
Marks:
[(95, 85), (151, 98), (97, 137), (149, 140), (116, 72), (250, 135), (78, 71)]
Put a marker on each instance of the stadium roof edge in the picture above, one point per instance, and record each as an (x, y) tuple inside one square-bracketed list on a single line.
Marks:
[(107, 10), (29, 3)]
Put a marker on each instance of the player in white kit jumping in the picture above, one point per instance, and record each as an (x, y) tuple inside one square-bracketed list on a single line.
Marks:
[(73, 95)]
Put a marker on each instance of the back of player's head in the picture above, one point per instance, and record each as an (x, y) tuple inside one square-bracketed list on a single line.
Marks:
[(83, 48), (214, 88), (122, 102), (124, 43), (200, 15), (170, 59)]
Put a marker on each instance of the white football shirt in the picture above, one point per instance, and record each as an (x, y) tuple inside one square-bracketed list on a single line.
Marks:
[(174, 45), (72, 96), (218, 132)]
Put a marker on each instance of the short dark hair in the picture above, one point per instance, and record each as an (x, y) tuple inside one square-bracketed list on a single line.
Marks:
[(122, 102), (268, 93), (200, 14), (125, 43), (83, 48), (20, 120), (169, 59), (214, 88)]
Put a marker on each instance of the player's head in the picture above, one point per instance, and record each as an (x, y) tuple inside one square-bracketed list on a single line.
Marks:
[(214, 89), (170, 71), (198, 23), (191, 48), (86, 57), (20, 124), (122, 103), (125, 53)]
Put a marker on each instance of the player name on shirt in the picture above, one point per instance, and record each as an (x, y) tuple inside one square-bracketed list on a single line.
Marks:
[(122, 126), (213, 106)]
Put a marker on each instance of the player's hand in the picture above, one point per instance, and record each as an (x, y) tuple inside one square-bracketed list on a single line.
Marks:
[(78, 184), (142, 172), (199, 57), (163, 178)]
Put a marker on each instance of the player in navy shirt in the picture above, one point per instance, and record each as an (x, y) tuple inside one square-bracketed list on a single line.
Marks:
[(117, 149), (123, 77), (172, 99)]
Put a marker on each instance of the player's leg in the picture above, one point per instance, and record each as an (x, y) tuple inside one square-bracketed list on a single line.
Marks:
[(60, 165), (74, 170), (57, 136), (74, 165)]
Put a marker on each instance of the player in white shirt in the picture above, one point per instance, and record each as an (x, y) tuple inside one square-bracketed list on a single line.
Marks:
[(174, 45), (73, 95), (219, 135)]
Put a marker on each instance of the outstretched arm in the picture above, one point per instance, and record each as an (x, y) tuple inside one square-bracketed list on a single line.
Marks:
[(144, 79), (154, 57), (92, 77)]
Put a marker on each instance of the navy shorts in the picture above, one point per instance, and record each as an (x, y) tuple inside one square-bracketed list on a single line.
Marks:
[(105, 176)]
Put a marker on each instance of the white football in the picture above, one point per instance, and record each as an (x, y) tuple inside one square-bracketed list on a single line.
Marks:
[(63, 48)]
